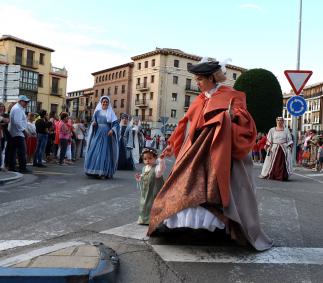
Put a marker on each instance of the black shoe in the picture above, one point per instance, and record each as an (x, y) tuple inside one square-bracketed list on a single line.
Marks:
[(25, 171), (35, 164), (41, 165)]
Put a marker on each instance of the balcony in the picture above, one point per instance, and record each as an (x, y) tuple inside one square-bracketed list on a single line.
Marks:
[(192, 89), (59, 71), (56, 91), (141, 103), (142, 87), (26, 62)]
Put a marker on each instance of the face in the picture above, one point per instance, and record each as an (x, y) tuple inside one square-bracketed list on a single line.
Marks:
[(135, 122), (280, 122), (124, 120), (204, 83), (23, 103), (105, 104), (149, 159)]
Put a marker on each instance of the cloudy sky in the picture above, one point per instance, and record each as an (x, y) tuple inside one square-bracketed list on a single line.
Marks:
[(93, 35)]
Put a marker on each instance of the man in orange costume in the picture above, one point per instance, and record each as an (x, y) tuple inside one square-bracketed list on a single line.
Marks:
[(211, 184)]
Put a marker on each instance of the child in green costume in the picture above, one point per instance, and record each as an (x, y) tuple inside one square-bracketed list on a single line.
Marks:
[(150, 181)]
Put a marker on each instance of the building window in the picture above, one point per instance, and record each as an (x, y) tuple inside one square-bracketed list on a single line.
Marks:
[(96, 80), (188, 83), (109, 90), (30, 58), (113, 76), (39, 106), (188, 65), (173, 113), (153, 62), (53, 108), (137, 96), (187, 101), (40, 80), (81, 101), (41, 58), (102, 91), (120, 73), (18, 59), (96, 93), (123, 89), (174, 96), (139, 66), (151, 96), (152, 78), (150, 112), (234, 76), (145, 81), (136, 112), (124, 73), (176, 63), (122, 103), (115, 89), (146, 64), (175, 80), (138, 81), (116, 75), (115, 103), (55, 89), (109, 77)]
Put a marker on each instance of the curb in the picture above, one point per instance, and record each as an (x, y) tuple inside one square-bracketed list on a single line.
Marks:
[(105, 270), (12, 179)]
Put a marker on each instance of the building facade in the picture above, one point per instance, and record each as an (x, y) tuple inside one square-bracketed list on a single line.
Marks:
[(163, 89), (115, 82), (313, 117), (79, 104), (44, 84)]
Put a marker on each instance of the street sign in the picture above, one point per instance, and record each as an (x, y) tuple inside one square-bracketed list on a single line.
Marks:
[(296, 106), (298, 79)]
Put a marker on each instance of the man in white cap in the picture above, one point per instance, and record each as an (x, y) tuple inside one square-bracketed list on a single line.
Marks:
[(17, 129)]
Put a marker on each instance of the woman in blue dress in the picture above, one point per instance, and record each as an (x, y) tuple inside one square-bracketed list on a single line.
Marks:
[(101, 158)]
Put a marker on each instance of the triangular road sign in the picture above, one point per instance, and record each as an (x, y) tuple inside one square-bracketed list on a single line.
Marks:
[(297, 79)]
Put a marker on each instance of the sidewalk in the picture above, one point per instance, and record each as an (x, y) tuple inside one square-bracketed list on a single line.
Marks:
[(9, 177), (63, 262)]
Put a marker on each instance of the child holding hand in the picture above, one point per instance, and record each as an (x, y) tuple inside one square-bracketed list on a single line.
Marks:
[(150, 181)]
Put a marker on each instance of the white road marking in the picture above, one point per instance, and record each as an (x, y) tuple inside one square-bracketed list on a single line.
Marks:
[(10, 244), (45, 199), (279, 255), (74, 221), (314, 175), (38, 252), (132, 230), (307, 177)]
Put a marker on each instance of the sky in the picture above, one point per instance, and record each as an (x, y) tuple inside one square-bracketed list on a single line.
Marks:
[(89, 36)]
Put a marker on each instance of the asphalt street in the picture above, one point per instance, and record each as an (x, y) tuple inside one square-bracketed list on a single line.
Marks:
[(58, 204)]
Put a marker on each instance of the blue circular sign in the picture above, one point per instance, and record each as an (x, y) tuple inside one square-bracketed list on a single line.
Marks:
[(296, 105)]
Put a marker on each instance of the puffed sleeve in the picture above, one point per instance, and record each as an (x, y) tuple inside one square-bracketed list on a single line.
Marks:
[(177, 138), (244, 133)]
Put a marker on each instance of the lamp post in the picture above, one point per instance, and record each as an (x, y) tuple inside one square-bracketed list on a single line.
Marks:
[(294, 118)]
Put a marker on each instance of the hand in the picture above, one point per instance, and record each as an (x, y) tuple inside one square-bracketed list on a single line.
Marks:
[(138, 177), (168, 151), (110, 133)]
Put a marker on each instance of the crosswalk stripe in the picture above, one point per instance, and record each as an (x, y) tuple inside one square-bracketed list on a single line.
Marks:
[(10, 244), (278, 255), (131, 230)]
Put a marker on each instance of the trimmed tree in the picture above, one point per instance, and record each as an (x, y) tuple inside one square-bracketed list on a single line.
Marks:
[(264, 97)]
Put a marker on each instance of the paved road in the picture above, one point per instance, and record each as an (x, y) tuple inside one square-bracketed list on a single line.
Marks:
[(60, 203)]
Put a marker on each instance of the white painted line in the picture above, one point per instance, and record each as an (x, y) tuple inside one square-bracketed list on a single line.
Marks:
[(282, 255), (315, 175), (307, 177), (10, 244), (132, 230), (35, 253)]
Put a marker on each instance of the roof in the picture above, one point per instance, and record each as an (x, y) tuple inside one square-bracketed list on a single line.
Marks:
[(167, 51), (130, 64), (19, 40)]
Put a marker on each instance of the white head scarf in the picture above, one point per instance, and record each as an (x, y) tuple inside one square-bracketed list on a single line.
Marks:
[(111, 116)]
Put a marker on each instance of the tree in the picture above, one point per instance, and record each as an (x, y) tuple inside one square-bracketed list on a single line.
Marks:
[(264, 97)]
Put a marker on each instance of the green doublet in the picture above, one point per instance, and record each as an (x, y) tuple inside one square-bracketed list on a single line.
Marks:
[(149, 188)]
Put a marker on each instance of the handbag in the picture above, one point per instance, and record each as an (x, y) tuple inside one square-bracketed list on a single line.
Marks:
[(306, 155)]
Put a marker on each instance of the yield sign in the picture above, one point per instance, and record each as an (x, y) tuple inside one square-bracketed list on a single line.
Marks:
[(297, 79)]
